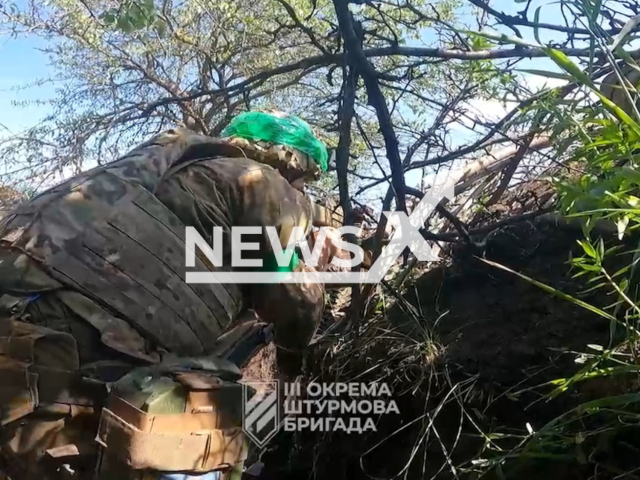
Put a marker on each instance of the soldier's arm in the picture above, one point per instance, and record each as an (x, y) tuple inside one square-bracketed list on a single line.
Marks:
[(295, 309)]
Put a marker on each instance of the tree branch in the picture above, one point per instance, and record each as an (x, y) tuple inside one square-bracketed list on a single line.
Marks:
[(376, 98)]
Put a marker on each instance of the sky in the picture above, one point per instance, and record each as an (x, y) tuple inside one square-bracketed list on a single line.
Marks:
[(22, 63)]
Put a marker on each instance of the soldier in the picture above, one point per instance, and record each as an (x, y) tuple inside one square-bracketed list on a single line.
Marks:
[(93, 300), (8, 198), (625, 97)]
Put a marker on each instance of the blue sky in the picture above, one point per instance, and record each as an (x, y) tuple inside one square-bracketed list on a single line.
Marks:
[(22, 63)]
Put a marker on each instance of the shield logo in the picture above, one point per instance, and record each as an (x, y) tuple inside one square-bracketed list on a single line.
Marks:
[(261, 412)]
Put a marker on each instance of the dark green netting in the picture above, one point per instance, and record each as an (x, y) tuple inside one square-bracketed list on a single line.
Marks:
[(290, 131)]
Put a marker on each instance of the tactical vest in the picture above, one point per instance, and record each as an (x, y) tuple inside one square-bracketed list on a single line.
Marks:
[(105, 235)]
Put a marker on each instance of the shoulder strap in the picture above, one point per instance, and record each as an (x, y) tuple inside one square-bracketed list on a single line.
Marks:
[(203, 151)]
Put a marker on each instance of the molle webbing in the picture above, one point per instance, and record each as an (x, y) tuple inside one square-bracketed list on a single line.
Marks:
[(108, 237)]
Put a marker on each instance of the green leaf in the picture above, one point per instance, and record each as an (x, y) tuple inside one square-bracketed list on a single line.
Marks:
[(138, 19), (600, 250), (161, 27), (568, 66), (594, 405), (497, 37), (109, 17), (630, 174), (624, 284), (125, 24), (590, 268), (553, 291), (536, 20), (596, 10), (594, 288), (588, 248)]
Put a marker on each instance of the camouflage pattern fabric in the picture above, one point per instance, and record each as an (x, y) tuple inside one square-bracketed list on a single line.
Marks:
[(9, 197), (612, 89), (283, 158), (101, 257), (262, 197)]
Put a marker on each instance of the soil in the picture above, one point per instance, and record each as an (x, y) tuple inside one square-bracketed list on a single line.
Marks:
[(496, 334)]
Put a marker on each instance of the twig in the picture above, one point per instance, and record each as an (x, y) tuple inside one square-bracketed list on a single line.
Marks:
[(509, 171)]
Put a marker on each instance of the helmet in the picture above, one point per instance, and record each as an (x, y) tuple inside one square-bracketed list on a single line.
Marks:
[(283, 141), (612, 89)]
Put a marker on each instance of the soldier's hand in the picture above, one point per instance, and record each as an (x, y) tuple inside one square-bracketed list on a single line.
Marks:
[(329, 247), (295, 309)]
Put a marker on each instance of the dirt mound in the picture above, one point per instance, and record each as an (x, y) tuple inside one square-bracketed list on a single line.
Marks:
[(499, 326), (477, 336)]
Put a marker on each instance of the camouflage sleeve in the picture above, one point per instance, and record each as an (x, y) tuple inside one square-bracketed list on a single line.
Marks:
[(266, 199), (295, 309)]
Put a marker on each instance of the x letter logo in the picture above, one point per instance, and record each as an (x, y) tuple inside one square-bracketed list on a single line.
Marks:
[(407, 233)]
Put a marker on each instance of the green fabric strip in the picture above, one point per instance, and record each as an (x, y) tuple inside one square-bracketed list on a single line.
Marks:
[(270, 264)]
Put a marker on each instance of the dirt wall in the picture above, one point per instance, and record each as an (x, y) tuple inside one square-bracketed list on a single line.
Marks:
[(495, 334)]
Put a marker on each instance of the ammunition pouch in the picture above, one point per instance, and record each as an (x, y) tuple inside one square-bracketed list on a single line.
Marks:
[(47, 407), (175, 418), (38, 367), (182, 415)]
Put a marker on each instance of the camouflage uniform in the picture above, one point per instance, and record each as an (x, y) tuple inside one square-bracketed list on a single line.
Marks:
[(92, 281), (612, 89)]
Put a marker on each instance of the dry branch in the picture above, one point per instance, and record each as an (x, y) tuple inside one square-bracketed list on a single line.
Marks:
[(494, 162)]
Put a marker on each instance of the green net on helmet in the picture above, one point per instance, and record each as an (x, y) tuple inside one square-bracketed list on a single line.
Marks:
[(290, 131)]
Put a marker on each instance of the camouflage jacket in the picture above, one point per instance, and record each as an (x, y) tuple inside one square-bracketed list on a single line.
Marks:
[(111, 244)]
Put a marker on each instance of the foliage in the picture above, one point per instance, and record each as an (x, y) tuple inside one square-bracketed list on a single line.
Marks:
[(134, 15), (124, 71), (601, 140)]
